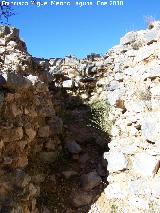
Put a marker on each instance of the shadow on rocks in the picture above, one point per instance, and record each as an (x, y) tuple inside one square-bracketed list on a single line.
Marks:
[(78, 177)]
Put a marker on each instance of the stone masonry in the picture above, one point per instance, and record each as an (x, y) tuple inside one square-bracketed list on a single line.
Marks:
[(134, 94), (127, 77)]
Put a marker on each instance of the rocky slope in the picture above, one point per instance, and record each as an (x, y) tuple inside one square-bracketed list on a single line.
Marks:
[(45, 106)]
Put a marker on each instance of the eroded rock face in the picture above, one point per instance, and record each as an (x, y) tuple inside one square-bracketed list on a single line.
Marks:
[(134, 81)]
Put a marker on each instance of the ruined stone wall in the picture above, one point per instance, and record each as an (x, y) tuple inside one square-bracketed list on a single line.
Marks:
[(134, 94), (28, 123), (30, 102)]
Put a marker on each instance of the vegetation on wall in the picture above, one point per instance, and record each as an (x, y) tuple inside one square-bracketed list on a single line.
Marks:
[(99, 116)]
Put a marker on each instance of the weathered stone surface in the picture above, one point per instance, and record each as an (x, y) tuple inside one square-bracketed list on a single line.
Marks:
[(134, 78), (128, 76), (56, 127), (112, 97), (15, 110), (73, 147), (129, 38), (116, 161), (151, 72), (116, 190), (38, 178), (150, 127), (152, 36), (31, 133), (51, 145), (17, 81), (144, 164), (139, 203), (81, 199), (139, 187), (68, 84), (69, 174), (26, 106), (11, 134), (44, 132), (90, 180), (33, 79), (48, 156), (155, 187)]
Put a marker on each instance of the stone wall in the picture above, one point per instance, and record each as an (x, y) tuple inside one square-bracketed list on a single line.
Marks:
[(134, 94), (28, 123), (30, 102), (86, 77), (31, 99)]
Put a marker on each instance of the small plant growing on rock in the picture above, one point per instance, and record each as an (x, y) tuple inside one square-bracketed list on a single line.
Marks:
[(99, 116), (113, 209)]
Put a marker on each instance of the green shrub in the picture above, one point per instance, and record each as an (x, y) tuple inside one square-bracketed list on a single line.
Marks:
[(99, 116)]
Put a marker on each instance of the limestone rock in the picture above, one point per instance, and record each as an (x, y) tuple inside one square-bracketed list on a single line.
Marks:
[(129, 38), (144, 164), (139, 203), (155, 187), (150, 127), (152, 36), (139, 187), (116, 161), (68, 84), (33, 79), (116, 190)]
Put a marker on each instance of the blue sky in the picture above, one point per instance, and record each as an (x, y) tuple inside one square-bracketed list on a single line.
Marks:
[(51, 31)]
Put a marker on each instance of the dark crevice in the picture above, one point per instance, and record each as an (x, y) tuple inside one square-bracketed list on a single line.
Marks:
[(57, 194)]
